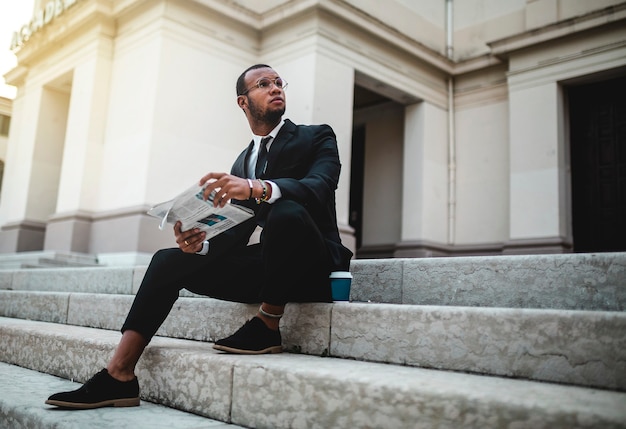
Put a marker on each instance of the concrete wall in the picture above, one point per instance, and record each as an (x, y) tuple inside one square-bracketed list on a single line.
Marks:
[(120, 106), (482, 153), (5, 109)]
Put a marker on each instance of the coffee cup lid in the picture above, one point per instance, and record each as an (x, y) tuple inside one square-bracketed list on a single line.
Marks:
[(341, 275)]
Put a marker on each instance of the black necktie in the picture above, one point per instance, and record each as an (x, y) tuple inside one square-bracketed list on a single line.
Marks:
[(261, 161)]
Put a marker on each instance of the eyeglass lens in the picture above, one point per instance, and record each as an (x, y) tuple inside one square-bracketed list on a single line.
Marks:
[(264, 83)]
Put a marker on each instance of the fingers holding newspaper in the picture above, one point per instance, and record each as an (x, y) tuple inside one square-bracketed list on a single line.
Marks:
[(196, 217), (189, 241), (226, 186)]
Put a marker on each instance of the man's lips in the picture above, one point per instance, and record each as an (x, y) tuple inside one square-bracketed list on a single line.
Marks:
[(277, 100)]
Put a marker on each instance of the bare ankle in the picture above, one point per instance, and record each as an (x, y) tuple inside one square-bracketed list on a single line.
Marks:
[(270, 315), (271, 323), (126, 355), (120, 374)]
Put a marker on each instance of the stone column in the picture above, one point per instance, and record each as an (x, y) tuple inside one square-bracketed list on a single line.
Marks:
[(537, 190), (33, 166), (424, 194), (69, 228)]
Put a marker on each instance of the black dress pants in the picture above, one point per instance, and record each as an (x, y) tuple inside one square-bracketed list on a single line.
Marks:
[(290, 264)]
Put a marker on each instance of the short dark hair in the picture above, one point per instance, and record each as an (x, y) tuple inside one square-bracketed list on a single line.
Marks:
[(241, 80)]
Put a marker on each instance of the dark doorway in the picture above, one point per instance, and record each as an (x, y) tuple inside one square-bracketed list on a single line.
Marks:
[(357, 174), (598, 161)]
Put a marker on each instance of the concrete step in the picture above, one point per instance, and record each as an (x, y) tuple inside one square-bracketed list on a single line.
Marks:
[(42, 259), (117, 280), (61, 263), (570, 282), (585, 348), (299, 391), (24, 390)]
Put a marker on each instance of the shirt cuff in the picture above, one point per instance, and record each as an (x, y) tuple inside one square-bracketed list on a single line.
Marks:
[(276, 194), (205, 248)]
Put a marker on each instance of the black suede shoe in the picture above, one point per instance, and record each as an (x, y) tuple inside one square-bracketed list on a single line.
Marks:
[(101, 390), (253, 338)]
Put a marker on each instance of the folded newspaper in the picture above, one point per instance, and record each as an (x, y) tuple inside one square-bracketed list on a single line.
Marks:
[(194, 211)]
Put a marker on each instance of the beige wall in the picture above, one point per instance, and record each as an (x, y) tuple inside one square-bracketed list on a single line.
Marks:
[(482, 153), (5, 109), (425, 171), (120, 105), (539, 193)]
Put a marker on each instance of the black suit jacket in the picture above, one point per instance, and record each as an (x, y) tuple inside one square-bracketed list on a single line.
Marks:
[(304, 162)]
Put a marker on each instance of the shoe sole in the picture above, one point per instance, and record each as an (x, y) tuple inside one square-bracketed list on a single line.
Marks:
[(273, 349), (125, 402)]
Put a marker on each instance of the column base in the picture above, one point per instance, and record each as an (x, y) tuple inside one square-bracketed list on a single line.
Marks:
[(24, 236), (69, 232), (531, 246), (128, 230), (427, 249)]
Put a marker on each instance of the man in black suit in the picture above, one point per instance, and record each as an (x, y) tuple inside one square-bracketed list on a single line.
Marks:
[(288, 176)]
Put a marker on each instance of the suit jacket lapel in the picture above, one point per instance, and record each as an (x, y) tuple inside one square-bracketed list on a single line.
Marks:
[(283, 137), (240, 166)]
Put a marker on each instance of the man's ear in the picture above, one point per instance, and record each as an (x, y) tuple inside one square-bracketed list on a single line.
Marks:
[(242, 102)]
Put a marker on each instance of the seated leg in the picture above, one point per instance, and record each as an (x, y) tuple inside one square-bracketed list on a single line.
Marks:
[(295, 268)]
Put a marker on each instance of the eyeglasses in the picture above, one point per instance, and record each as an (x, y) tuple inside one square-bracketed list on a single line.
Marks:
[(265, 82)]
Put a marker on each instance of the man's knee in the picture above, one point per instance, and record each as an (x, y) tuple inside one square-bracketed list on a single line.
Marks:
[(286, 214), (163, 255)]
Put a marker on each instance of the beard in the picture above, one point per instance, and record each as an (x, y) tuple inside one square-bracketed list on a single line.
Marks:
[(266, 116)]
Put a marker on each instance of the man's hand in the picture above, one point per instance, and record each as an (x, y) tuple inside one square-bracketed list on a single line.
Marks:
[(226, 187), (189, 241)]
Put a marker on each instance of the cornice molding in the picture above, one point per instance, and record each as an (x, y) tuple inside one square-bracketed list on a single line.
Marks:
[(339, 9), (16, 76), (384, 32), (26, 224), (613, 14), (105, 13), (85, 16)]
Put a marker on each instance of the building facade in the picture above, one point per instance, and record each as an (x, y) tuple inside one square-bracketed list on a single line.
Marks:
[(464, 126), (5, 124)]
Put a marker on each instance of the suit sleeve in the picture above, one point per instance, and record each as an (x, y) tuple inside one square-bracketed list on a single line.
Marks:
[(317, 182), (239, 235)]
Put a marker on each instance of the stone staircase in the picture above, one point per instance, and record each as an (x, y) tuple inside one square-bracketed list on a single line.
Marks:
[(46, 259), (477, 342)]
